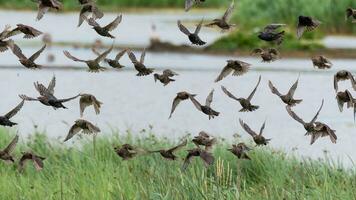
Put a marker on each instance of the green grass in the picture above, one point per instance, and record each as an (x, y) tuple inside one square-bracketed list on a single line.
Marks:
[(75, 173)]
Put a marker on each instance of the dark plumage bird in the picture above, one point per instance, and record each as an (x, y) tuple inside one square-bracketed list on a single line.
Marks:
[(139, 65), (344, 75), (94, 65), (165, 77), (45, 5), (89, 100), (47, 95), (114, 63), (127, 151), (88, 7), (28, 31), (236, 67), (351, 14), (245, 103), (206, 156), (223, 22), (193, 37), (4, 44), (268, 55), (27, 62), (270, 34), (169, 153), (321, 62), (5, 154), (105, 31), (258, 138), (190, 3), (82, 125), (306, 23), (206, 109), (240, 150), (323, 130), (181, 96), (204, 139), (5, 120), (346, 97), (35, 159), (287, 98)]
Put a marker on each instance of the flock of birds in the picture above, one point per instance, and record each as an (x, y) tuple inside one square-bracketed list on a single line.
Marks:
[(90, 13)]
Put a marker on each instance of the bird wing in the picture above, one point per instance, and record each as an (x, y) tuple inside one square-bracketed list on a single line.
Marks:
[(254, 90), (37, 162), (120, 54), (188, 4), (13, 32), (72, 131), (14, 111), (114, 23), (132, 57), (224, 73), (42, 9), (51, 85), (262, 127), (209, 98), (187, 161), (37, 54), (207, 157), (247, 128), (229, 94), (102, 56), (294, 116), (316, 115), (336, 80), (67, 99), (182, 28), (16, 50), (143, 55), (26, 98), (169, 73), (68, 55), (272, 27), (227, 15), (175, 103), (184, 143), (274, 89), (96, 12), (197, 29), (195, 102), (293, 88), (41, 89), (10, 147), (92, 128), (300, 31)]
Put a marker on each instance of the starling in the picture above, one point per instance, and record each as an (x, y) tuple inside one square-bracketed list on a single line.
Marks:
[(306, 23), (237, 68), (82, 125), (139, 66), (165, 78), (5, 120), (204, 139), (240, 150), (28, 31), (27, 62), (270, 33), (105, 31), (268, 55), (45, 5), (351, 14), (344, 75), (321, 62), (206, 156), (206, 109), (87, 8), (114, 63), (223, 22), (287, 98), (245, 103), (29, 156), (193, 37), (258, 138), (323, 130), (89, 100), (169, 153), (127, 151), (5, 154), (181, 96)]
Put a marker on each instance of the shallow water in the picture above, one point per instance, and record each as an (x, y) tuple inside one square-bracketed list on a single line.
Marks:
[(134, 103)]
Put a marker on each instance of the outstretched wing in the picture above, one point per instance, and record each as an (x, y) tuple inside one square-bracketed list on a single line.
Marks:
[(195, 102), (37, 54), (175, 103), (224, 73), (10, 147), (132, 57), (262, 127), (272, 27), (294, 116), (16, 50), (254, 90), (68, 99), (247, 128), (120, 54), (197, 30), (293, 88), (114, 23), (143, 55), (184, 143), (72, 131), (102, 56), (182, 28), (51, 85), (228, 12), (316, 115), (229, 94), (274, 89), (68, 55), (14, 111), (189, 4), (209, 98)]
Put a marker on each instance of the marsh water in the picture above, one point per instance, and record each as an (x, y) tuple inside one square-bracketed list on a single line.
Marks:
[(136, 103)]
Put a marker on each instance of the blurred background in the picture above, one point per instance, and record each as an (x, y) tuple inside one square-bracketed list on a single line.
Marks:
[(138, 103)]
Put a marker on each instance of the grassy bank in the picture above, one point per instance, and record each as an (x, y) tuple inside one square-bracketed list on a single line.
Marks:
[(75, 173)]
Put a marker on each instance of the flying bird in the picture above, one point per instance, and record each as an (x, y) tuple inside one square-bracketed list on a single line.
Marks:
[(344, 75), (45, 5), (270, 33), (87, 100), (169, 153), (181, 96), (88, 7), (105, 31), (82, 125), (286, 98), (47, 95), (5, 154), (268, 55), (94, 65), (35, 159), (127, 151), (206, 109), (190, 3), (28, 31), (321, 62), (258, 138), (165, 77), (223, 22), (245, 103), (5, 120), (27, 62), (139, 65), (206, 157), (236, 67), (204, 139), (346, 97), (114, 63), (306, 23), (193, 37), (240, 150), (323, 130), (351, 14)]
